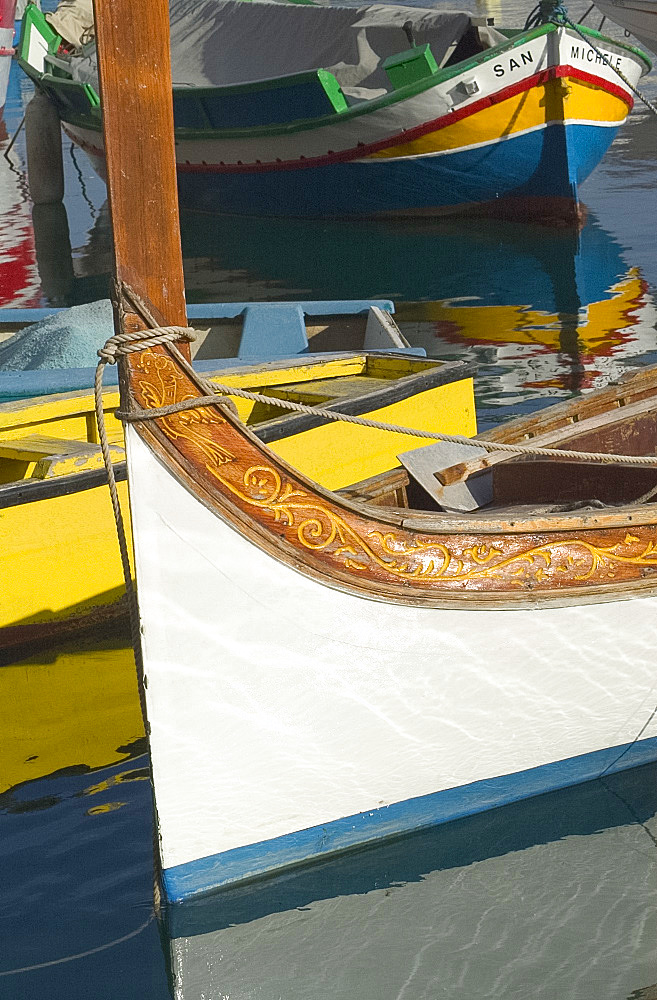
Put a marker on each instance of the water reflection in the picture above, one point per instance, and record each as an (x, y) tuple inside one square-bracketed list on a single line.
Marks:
[(76, 829), (545, 312), (551, 898), (19, 280)]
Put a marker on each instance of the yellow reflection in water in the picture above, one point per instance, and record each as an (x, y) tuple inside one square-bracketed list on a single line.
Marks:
[(78, 709)]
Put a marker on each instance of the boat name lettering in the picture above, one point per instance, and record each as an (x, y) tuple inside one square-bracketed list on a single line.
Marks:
[(588, 54), (514, 64)]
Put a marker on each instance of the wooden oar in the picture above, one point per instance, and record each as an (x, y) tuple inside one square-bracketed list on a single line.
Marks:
[(134, 64)]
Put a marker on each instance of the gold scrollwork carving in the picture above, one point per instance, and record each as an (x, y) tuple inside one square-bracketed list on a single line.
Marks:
[(352, 542), (318, 527), (163, 384)]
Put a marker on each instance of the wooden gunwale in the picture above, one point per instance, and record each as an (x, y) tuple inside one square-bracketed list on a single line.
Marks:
[(422, 559)]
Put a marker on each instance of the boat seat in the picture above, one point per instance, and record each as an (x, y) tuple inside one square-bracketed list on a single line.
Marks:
[(326, 390), (39, 457)]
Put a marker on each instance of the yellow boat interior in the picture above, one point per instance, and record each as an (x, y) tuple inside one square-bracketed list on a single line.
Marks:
[(60, 555), (56, 435)]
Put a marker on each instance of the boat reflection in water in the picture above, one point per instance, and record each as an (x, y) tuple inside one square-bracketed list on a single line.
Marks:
[(75, 826), (74, 711), (552, 897), (18, 272), (546, 312)]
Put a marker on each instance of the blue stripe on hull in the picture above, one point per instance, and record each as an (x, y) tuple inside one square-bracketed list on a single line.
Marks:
[(549, 162), (223, 870)]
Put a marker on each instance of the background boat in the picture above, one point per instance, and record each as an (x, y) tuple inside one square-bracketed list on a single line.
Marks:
[(61, 569), (497, 121), (638, 17)]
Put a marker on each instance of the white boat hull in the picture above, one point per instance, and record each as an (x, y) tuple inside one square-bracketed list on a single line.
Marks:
[(289, 720)]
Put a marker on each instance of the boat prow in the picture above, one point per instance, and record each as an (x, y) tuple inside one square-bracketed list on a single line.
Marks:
[(370, 662)]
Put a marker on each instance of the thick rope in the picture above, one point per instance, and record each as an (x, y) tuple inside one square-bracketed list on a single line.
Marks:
[(135, 416), (118, 516), (128, 343)]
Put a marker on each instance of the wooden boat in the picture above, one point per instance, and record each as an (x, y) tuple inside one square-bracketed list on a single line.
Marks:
[(60, 566), (639, 17), (7, 10), (454, 631), (340, 117), (354, 671)]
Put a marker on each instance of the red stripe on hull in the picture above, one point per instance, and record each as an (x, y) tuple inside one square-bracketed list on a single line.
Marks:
[(366, 149)]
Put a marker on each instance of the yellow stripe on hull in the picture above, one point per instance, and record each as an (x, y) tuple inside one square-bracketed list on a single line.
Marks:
[(559, 100)]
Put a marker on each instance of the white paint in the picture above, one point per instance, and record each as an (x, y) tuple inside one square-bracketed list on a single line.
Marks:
[(381, 331), (277, 703), (37, 49)]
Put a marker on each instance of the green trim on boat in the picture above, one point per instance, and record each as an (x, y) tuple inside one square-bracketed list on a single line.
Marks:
[(410, 66), (354, 111), (332, 88), (34, 18)]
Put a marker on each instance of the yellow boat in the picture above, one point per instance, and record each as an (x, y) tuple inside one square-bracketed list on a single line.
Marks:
[(60, 567)]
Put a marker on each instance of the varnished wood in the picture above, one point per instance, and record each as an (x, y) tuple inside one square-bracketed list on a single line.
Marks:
[(594, 432), (135, 79), (357, 548)]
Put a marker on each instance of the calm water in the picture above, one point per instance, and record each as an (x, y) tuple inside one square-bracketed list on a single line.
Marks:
[(553, 898)]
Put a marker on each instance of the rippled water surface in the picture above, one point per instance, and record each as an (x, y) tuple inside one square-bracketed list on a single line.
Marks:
[(551, 899)]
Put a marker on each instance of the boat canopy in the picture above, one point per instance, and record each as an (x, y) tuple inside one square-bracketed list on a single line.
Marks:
[(217, 43)]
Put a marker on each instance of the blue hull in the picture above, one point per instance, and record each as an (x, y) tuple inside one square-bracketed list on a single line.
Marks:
[(549, 163)]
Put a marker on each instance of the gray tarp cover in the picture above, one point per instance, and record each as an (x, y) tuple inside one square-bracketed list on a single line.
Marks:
[(219, 42)]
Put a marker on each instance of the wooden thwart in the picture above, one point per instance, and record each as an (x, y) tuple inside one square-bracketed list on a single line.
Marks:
[(562, 436)]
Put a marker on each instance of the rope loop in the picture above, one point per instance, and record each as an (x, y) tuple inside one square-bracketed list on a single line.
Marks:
[(128, 343)]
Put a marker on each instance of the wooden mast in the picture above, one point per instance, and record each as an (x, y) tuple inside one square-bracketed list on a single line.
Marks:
[(134, 65)]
